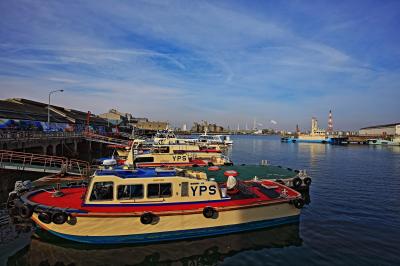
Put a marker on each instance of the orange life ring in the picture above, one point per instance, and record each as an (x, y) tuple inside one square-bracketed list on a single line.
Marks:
[(213, 168)]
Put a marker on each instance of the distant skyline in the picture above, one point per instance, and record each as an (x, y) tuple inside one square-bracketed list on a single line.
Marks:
[(226, 62)]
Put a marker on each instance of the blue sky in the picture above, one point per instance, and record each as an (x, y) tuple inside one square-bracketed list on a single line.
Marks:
[(221, 61)]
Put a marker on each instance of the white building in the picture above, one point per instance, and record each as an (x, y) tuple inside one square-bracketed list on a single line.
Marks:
[(381, 130)]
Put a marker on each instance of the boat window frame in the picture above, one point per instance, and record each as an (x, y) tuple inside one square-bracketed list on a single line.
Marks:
[(159, 190), (92, 190), (134, 198)]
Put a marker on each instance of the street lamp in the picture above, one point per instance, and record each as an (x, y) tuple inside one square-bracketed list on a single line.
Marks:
[(48, 107)]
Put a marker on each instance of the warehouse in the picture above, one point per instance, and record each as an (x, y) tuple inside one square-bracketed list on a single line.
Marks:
[(381, 130)]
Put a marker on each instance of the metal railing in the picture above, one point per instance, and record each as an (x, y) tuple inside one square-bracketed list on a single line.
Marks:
[(42, 163), (105, 139), (34, 135)]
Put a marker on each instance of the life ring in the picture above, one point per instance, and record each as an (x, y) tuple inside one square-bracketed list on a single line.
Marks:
[(209, 212), (147, 218), (45, 217), (307, 181), (25, 211), (298, 203), (213, 168), (230, 173), (297, 182), (59, 217)]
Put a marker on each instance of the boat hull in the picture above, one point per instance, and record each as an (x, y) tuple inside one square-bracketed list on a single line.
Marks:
[(115, 229)]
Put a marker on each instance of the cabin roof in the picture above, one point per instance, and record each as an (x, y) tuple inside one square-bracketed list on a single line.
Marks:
[(138, 173)]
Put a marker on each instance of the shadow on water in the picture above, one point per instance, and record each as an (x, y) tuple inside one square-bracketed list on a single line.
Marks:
[(46, 249)]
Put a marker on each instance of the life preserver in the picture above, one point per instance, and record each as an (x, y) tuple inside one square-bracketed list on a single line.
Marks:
[(298, 203), (147, 218), (209, 212), (230, 173), (59, 217), (45, 217), (25, 211), (213, 168), (307, 181), (297, 182)]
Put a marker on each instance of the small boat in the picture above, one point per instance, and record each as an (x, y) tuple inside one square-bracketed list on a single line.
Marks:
[(177, 156), (382, 142), (224, 140), (152, 205), (296, 179)]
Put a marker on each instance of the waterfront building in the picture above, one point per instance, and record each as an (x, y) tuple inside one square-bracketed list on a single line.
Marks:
[(381, 130), (205, 126), (24, 114)]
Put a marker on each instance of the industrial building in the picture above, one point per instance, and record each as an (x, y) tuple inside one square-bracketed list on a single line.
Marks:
[(24, 114), (381, 130)]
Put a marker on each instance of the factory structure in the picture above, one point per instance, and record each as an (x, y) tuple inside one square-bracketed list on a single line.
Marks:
[(381, 130)]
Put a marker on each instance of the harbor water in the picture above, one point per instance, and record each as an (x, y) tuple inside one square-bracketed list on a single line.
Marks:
[(353, 218)]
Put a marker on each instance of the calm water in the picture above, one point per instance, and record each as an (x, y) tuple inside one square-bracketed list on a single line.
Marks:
[(353, 218)]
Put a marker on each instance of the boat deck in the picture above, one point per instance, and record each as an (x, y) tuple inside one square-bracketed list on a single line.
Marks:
[(246, 172)]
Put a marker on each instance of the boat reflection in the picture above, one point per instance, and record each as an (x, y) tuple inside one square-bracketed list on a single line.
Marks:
[(48, 250)]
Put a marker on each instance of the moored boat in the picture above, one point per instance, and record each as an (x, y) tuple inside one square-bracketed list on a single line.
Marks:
[(151, 205), (297, 179)]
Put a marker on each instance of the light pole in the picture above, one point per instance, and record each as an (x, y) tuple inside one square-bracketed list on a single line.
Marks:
[(48, 107)]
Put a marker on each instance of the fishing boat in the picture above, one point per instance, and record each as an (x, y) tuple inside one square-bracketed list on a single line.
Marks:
[(296, 179), (152, 205), (176, 156)]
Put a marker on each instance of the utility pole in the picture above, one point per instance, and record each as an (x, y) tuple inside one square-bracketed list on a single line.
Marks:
[(48, 106)]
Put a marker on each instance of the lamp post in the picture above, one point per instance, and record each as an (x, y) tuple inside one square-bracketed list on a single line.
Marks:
[(48, 107)]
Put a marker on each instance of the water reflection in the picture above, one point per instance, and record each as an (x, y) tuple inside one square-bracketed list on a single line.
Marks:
[(49, 250)]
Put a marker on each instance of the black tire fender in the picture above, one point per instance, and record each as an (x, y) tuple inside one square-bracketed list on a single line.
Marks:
[(209, 212), (25, 211), (298, 203), (297, 182), (147, 218), (59, 217), (45, 217), (307, 181)]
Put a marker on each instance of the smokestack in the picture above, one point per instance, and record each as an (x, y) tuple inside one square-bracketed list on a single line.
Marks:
[(330, 122)]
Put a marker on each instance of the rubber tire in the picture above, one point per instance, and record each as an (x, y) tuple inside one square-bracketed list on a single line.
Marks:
[(59, 217), (209, 212), (297, 182), (146, 218), (45, 217), (25, 211), (298, 203), (307, 181)]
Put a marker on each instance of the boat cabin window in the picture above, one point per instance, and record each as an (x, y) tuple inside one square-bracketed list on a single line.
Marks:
[(130, 191), (102, 191), (161, 150), (144, 159), (161, 190), (185, 189)]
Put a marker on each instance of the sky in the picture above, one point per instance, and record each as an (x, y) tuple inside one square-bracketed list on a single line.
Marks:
[(227, 62)]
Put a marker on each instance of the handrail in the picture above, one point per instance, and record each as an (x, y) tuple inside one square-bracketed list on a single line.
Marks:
[(10, 135), (46, 161)]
